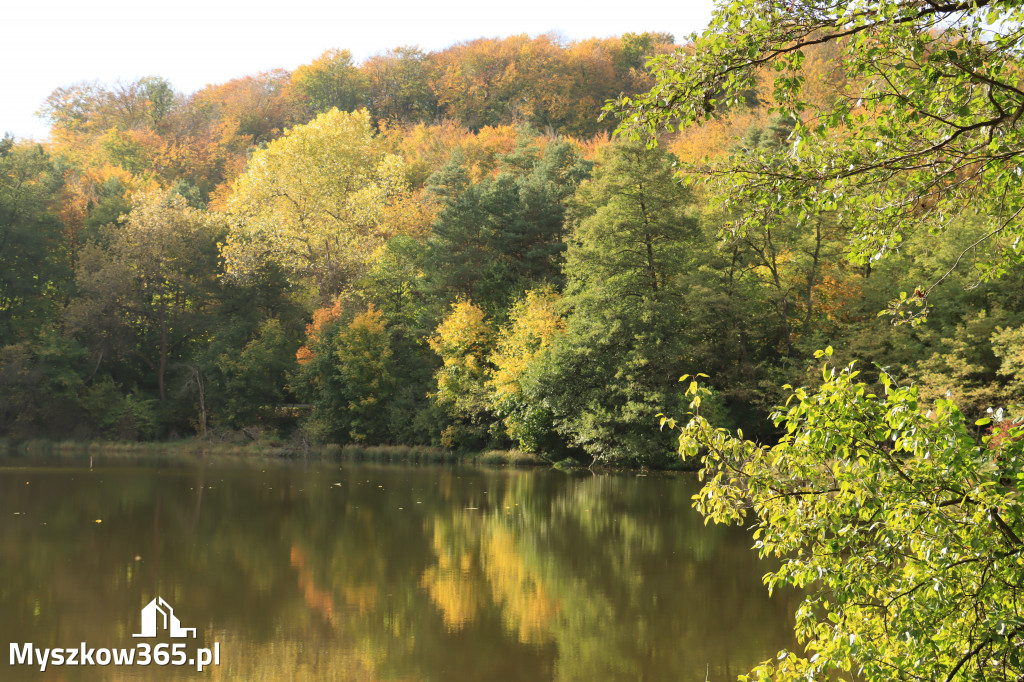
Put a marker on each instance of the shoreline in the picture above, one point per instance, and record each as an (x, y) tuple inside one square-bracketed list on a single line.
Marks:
[(197, 450)]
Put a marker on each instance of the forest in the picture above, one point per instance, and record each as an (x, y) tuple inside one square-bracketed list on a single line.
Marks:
[(454, 249)]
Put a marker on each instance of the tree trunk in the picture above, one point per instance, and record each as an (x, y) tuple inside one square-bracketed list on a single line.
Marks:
[(162, 369)]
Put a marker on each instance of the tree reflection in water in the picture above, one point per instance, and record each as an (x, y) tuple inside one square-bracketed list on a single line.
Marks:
[(386, 573)]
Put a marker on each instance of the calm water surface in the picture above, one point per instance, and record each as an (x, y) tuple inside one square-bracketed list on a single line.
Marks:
[(363, 572)]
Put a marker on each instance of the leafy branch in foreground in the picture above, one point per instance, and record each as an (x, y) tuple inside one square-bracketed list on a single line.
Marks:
[(904, 532), (923, 126)]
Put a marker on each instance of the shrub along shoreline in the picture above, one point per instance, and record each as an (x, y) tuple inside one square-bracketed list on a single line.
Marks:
[(39, 451)]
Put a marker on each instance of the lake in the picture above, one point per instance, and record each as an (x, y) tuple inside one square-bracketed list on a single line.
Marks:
[(379, 572)]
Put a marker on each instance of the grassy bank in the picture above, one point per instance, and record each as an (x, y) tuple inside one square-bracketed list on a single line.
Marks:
[(199, 449), (427, 455)]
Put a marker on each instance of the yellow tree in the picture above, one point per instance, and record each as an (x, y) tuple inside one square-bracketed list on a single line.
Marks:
[(348, 374), (464, 340), (533, 324), (314, 201)]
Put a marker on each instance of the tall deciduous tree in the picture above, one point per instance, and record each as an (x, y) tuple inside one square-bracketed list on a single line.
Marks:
[(313, 200), (398, 86), (145, 293), (34, 256), (534, 323), (464, 341), (331, 81), (253, 107), (347, 373)]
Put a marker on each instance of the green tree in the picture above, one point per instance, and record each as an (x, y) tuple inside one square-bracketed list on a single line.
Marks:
[(900, 523), (161, 97), (34, 255), (145, 295), (1008, 346), (904, 531), (331, 81), (243, 365), (634, 237), (965, 367), (788, 258), (495, 239), (253, 379), (632, 226), (110, 203), (39, 385), (394, 286), (398, 86), (922, 126), (49, 388)]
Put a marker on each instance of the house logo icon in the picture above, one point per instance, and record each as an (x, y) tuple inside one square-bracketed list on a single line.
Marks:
[(158, 613)]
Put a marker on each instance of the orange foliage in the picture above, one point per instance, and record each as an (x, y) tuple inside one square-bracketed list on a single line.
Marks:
[(543, 81), (837, 293), (256, 107), (411, 215), (321, 317), (488, 86), (714, 139), (427, 148), (590, 149)]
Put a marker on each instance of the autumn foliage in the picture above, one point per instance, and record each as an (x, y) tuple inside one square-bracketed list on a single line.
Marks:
[(445, 248)]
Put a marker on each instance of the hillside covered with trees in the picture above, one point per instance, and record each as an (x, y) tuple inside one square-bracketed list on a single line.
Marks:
[(452, 249)]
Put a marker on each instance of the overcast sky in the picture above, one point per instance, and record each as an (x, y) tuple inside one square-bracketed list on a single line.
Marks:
[(48, 44)]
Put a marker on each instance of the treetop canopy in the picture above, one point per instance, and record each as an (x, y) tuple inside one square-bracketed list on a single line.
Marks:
[(922, 125)]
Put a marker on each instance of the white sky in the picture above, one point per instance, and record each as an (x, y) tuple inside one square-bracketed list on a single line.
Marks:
[(45, 44)]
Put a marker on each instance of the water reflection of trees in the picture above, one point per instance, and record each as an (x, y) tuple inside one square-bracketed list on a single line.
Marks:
[(390, 573)]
